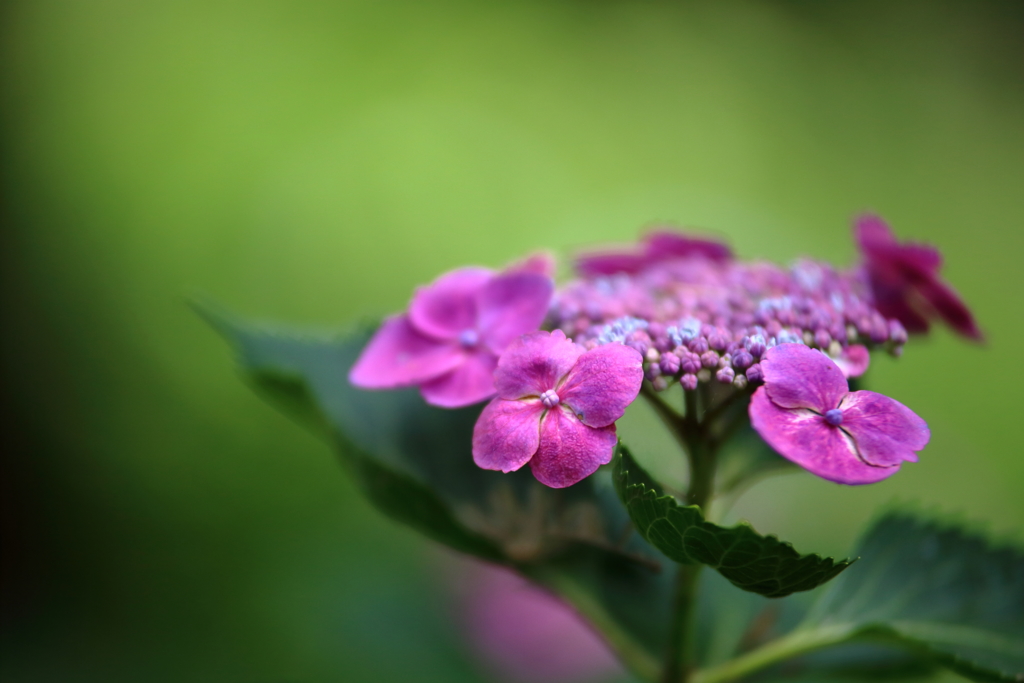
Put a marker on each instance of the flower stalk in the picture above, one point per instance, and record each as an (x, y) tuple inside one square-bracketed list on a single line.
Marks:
[(694, 432)]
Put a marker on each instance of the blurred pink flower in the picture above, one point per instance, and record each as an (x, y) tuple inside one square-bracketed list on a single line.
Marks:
[(523, 634), (449, 341)]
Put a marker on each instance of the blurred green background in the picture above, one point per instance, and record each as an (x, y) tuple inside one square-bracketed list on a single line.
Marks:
[(312, 162)]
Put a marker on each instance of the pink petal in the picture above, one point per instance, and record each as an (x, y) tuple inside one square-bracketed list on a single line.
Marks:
[(876, 240), (610, 262), (806, 439), (535, 363), (950, 307), (569, 450), (541, 263), (855, 361), (796, 376), (885, 431), (602, 383), (666, 244), (872, 231), (507, 434), (469, 383), (891, 303), (512, 305), (397, 355), (447, 306)]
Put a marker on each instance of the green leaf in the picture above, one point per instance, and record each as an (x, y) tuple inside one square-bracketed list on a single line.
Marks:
[(756, 563), (414, 462), (938, 590), (941, 595)]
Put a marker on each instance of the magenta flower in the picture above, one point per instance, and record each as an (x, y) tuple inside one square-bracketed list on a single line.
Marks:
[(556, 407), (449, 341), (656, 246), (807, 413), (905, 283)]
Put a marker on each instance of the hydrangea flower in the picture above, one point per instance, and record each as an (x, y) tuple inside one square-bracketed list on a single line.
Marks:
[(656, 246), (556, 407), (807, 413), (449, 341), (905, 282)]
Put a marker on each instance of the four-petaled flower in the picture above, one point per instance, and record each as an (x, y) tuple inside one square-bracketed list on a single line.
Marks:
[(807, 413), (449, 342), (905, 283), (655, 247), (556, 407)]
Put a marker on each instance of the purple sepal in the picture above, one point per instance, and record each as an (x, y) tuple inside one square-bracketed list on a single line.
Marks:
[(657, 246), (806, 412), (854, 360), (905, 282), (398, 355)]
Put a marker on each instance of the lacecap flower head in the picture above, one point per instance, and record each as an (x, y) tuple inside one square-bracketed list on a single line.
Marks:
[(672, 309)]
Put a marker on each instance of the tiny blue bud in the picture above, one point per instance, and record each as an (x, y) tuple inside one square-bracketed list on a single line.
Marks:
[(834, 417)]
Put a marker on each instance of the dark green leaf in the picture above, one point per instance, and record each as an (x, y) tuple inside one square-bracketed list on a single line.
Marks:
[(938, 590), (756, 563), (414, 462)]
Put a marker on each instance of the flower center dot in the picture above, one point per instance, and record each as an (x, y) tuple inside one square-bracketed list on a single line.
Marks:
[(550, 398), (834, 417), (468, 338)]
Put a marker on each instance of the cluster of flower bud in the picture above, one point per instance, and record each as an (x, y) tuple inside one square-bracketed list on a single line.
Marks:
[(697, 320)]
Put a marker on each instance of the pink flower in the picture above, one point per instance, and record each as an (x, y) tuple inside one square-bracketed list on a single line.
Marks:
[(807, 413), (656, 246), (905, 282), (556, 407), (449, 341)]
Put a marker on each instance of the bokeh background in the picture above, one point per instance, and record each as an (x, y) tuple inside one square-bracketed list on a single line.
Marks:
[(311, 162)]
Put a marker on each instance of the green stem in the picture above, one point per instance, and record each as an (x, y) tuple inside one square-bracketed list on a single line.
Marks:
[(680, 652), (676, 423), (693, 434), (702, 470), (789, 646)]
